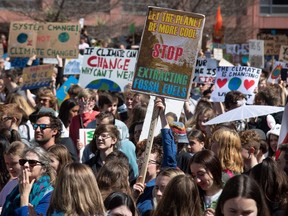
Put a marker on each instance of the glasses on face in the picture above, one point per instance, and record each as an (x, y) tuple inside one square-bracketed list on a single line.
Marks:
[(141, 161), (102, 136), (199, 175), (31, 163), (41, 126)]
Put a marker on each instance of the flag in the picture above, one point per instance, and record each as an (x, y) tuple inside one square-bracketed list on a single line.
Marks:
[(218, 24), (218, 33), (283, 136)]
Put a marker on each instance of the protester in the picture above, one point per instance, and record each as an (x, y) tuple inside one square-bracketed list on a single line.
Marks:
[(76, 192), (162, 180), (274, 184), (206, 170), (245, 197), (68, 109), (105, 141), (12, 154), (59, 156), (282, 160), (181, 197), (119, 203), (250, 142), (35, 184), (272, 135), (114, 176), (226, 144)]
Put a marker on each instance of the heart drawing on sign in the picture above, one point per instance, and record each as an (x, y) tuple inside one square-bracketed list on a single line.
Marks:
[(221, 83), (248, 83)]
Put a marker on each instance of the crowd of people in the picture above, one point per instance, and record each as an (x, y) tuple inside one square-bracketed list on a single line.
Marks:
[(232, 168)]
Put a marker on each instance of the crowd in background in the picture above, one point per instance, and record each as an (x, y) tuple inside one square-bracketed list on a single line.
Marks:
[(232, 168)]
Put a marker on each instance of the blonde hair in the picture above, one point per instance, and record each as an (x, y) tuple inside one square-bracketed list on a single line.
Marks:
[(16, 98), (230, 149), (76, 192), (11, 110)]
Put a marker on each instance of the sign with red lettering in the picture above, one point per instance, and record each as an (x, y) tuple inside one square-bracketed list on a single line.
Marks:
[(205, 71), (107, 68), (168, 53), (45, 40)]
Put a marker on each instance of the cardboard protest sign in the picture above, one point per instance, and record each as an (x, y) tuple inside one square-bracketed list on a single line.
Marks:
[(272, 43), (205, 70), (85, 136), (61, 93), (73, 66), (256, 53), (279, 71), (243, 79), (283, 55), (168, 53), (44, 40), (37, 76), (107, 68)]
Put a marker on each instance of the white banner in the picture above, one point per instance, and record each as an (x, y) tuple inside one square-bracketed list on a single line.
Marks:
[(243, 79), (107, 68)]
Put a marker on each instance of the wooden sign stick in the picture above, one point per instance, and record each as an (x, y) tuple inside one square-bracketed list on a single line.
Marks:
[(149, 143)]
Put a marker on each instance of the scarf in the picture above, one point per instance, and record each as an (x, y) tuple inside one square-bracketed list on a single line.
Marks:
[(39, 189)]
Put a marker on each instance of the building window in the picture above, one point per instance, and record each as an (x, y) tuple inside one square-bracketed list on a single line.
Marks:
[(17, 5), (274, 7)]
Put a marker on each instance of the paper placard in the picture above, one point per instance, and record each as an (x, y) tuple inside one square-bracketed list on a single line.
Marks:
[(168, 53), (44, 40), (107, 68), (240, 78)]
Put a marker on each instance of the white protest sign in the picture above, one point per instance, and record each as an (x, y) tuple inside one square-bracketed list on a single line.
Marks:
[(172, 105), (224, 62), (243, 79), (107, 68), (205, 70), (256, 53), (283, 55), (73, 66), (218, 53), (275, 74), (50, 61), (85, 136), (237, 49)]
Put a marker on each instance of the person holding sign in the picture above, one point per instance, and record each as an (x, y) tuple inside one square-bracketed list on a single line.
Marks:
[(145, 200)]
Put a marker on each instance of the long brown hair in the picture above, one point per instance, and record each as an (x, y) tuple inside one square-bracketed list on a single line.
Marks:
[(76, 192), (181, 197)]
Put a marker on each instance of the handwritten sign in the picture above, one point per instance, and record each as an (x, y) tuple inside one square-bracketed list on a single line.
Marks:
[(283, 55), (278, 68), (37, 76), (167, 58), (237, 49), (107, 68), (205, 71), (44, 40), (22, 62), (85, 136), (272, 43), (243, 79), (73, 66), (256, 53)]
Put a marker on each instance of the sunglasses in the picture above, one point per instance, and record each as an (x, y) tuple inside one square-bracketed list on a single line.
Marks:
[(31, 163), (42, 126)]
